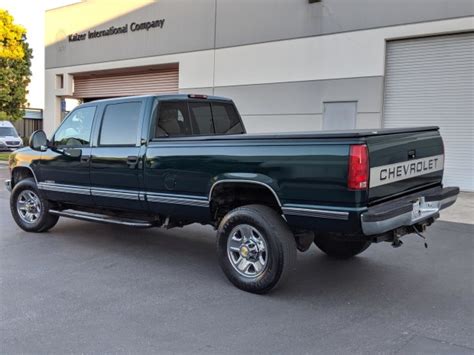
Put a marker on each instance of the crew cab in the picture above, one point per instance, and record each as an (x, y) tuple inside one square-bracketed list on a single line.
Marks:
[(172, 160)]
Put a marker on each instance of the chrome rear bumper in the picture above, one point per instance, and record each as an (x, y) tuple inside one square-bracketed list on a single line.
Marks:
[(407, 211)]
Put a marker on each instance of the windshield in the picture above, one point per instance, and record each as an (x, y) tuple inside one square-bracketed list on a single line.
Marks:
[(8, 131)]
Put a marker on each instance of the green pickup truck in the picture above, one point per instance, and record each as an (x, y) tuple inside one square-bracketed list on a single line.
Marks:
[(173, 160)]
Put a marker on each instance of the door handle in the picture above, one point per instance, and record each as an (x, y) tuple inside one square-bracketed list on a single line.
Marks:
[(132, 161), (85, 158)]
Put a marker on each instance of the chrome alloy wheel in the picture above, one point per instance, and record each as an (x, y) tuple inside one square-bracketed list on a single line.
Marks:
[(247, 250), (28, 206)]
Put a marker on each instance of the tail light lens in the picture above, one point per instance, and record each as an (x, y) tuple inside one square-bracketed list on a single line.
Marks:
[(358, 177)]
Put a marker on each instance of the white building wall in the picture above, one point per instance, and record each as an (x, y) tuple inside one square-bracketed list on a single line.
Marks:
[(344, 55)]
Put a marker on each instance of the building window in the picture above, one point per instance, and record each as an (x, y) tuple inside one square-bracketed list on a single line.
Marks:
[(59, 81)]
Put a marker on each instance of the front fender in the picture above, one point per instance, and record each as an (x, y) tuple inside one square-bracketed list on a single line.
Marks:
[(25, 158)]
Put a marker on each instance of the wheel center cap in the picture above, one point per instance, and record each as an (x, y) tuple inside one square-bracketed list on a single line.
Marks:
[(244, 251), (249, 251)]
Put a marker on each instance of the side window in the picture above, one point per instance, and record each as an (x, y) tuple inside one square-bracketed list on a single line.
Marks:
[(76, 129), (226, 119), (201, 118), (120, 124), (173, 120)]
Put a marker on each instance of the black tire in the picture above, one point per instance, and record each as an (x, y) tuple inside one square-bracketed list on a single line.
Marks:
[(280, 247), (44, 221), (340, 249)]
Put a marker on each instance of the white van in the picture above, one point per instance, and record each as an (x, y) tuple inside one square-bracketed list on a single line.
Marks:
[(9, 138)]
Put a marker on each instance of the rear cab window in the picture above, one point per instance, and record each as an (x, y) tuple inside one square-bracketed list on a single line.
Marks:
[(171, 119), (185, 118), (201, 118), (226, 119)]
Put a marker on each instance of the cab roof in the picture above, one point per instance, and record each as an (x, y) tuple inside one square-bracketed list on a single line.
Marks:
[(164, 97)]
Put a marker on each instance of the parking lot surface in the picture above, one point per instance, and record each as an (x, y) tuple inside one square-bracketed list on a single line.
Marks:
[(95, 288)]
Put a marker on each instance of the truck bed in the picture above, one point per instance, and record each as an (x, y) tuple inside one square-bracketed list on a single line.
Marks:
[(356, 133)]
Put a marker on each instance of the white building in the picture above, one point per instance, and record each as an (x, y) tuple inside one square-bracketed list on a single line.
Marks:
[(290, 65)]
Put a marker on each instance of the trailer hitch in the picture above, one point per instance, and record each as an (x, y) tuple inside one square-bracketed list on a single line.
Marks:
[(397, 242), (418, 233)]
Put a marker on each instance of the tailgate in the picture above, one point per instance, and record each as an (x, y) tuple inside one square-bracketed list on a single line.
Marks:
[(403, 162)]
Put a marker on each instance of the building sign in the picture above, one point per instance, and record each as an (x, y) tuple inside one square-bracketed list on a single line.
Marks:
[(111, 31)]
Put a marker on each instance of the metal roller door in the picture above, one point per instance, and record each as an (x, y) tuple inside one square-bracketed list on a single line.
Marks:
[(125, 84), (430, 81)]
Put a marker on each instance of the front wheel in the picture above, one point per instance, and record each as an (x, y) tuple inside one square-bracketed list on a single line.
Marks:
[(29, 209), (255, 247), (340, 249)]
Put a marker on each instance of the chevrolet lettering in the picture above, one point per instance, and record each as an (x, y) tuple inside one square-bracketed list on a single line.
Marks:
[(172, 160), (387, 174)]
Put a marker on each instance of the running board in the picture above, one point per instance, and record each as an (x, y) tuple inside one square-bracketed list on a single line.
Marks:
[(102, 218)]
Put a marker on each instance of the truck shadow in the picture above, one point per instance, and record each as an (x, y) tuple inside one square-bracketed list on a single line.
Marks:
[(190, 251)]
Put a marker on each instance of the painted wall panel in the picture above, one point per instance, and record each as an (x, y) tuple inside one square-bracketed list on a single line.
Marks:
[(369, 120), (208, 24), (270, 20), (188, 26), (344, 55), (306, 96), (282, 123)]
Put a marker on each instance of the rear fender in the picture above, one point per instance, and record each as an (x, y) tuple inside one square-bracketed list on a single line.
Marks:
[(248, 178)]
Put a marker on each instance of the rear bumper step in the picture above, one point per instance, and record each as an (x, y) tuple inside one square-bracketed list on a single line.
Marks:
[(407, 211), (102, 218)]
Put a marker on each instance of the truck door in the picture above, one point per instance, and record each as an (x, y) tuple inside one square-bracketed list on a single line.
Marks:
[(116, 159), (65, 164)]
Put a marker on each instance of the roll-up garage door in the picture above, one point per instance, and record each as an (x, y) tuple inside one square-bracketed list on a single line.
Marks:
[(98, 85), (430, 81)]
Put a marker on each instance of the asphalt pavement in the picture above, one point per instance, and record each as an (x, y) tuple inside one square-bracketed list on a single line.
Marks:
[(94, 288)]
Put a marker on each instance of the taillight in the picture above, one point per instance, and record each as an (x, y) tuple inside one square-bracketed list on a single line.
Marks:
[(358, 176)]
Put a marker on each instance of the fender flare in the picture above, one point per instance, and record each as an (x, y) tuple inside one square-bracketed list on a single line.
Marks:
[(23, 167), (245, 181)]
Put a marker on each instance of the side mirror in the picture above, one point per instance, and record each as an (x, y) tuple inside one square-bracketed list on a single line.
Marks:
[(38, 140)]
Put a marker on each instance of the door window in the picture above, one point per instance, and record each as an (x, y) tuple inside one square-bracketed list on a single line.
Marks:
[(120, 124), (76, 129)]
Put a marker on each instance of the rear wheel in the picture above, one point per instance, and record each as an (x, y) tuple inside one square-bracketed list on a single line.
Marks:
[(340, 249), (255, 247), (29, 209)]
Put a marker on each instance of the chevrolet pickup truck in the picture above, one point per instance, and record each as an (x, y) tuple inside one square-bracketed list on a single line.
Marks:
[(173, 160)]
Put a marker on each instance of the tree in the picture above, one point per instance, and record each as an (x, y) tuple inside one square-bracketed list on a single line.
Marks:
[(15, 61)]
